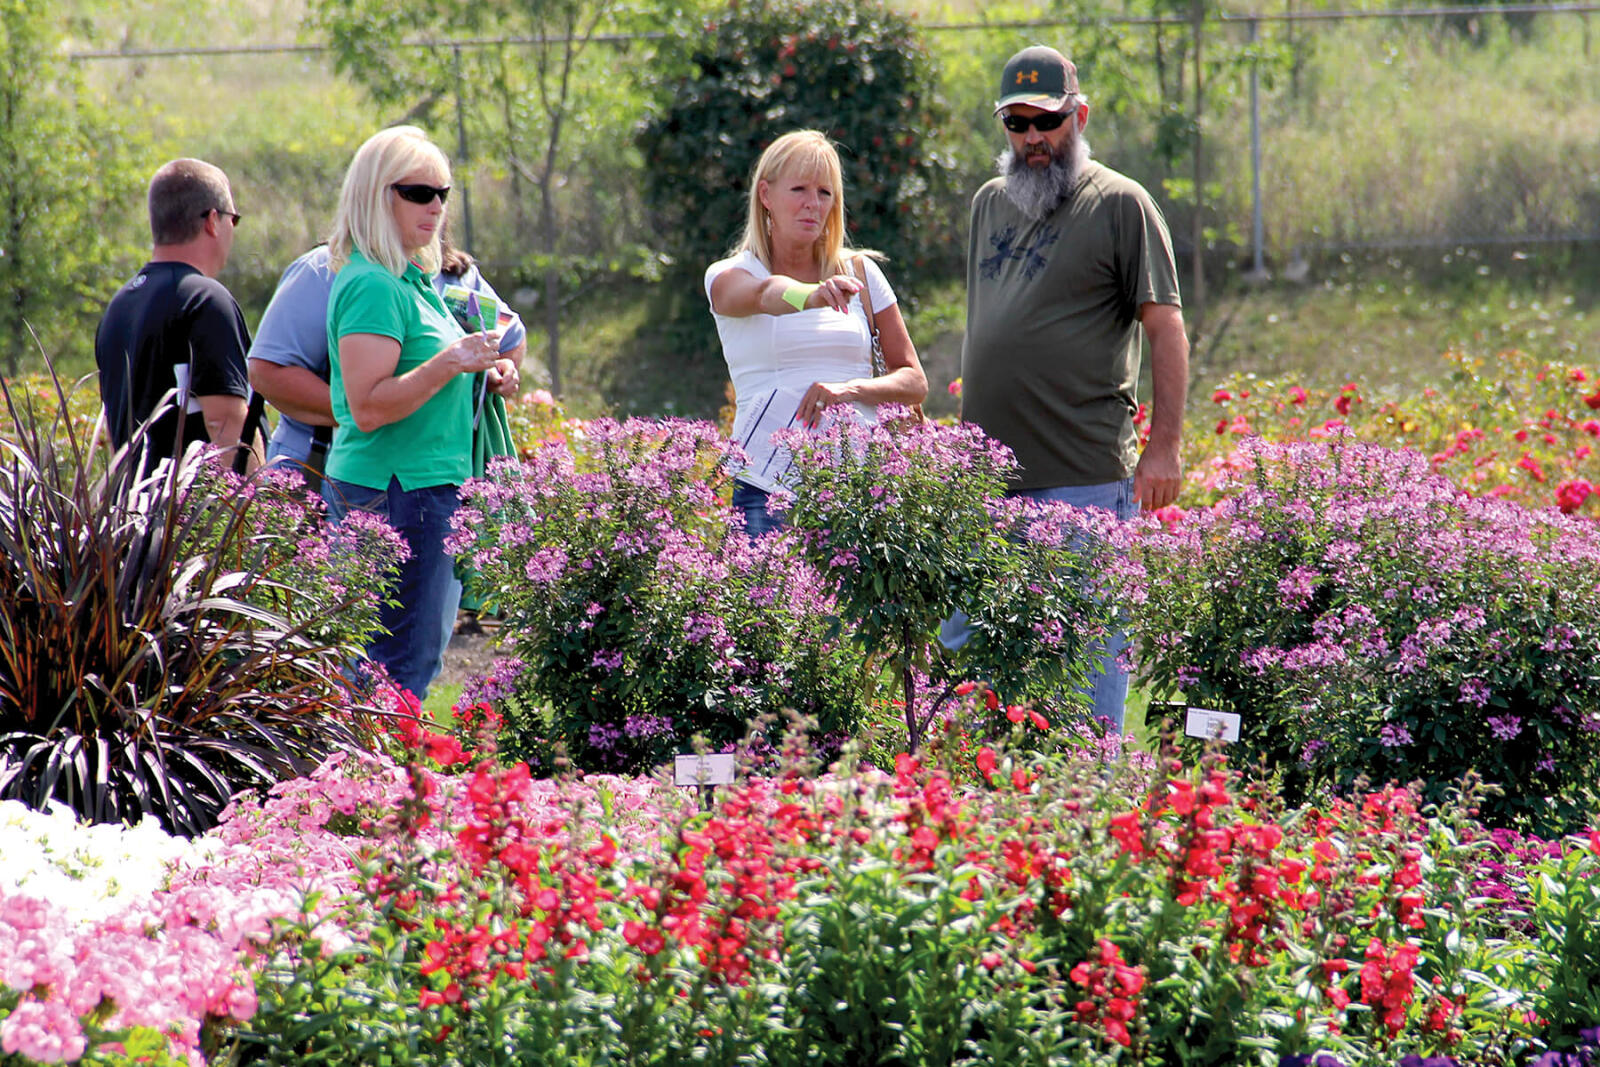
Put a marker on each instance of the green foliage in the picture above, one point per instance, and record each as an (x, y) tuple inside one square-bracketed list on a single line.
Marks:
[(883, 968), (157, 653), (907, 524), (1564, 910), (855, 69), (69, 162), (1053, 911)]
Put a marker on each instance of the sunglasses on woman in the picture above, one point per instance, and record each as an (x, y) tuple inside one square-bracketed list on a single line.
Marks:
[(421, 194), (1044, 122)]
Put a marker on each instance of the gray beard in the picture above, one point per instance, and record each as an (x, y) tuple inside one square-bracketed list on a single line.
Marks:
[(1037, 191)]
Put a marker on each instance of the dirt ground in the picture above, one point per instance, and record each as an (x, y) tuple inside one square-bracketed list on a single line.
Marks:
[(471, 651)]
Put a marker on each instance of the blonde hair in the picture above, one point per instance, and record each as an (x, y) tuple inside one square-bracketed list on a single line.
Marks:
[(364, 221), (802, 152)]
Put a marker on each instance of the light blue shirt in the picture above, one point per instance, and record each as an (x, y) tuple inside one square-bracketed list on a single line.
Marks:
[(294, 332)]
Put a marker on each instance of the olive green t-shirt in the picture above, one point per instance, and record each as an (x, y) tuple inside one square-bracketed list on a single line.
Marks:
[(433, 445), (1051, 359)]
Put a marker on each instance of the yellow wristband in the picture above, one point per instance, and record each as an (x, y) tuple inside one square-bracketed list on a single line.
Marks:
[(797, 295)]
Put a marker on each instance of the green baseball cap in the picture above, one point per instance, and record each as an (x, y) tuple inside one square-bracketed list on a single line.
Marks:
[(1039, 76)]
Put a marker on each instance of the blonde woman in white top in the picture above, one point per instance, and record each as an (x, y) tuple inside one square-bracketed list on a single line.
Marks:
[(789, 313)]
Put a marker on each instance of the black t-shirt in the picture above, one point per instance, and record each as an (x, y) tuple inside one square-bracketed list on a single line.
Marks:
[(169, 322)]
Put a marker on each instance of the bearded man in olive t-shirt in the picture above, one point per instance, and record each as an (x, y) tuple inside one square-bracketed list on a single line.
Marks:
[(1069, 268)]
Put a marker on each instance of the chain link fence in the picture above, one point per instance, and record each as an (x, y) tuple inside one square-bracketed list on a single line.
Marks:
[(1319, 131)]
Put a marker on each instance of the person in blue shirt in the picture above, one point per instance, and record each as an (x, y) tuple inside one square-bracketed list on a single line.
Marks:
[(289, 356)]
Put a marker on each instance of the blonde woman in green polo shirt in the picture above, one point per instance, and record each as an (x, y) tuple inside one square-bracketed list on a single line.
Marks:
[(401, 386)]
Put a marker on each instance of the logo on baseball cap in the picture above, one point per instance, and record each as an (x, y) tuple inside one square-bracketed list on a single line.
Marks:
[(1039, 76)]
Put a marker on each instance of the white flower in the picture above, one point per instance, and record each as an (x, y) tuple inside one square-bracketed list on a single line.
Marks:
[(85, 871)]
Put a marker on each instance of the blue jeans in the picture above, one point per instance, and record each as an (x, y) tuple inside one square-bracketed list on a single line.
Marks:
[(423, 618), (1107, 684), (753, 502)]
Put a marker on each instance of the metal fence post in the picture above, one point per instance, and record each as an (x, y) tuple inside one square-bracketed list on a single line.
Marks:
[(463, 152), (1258, 264)]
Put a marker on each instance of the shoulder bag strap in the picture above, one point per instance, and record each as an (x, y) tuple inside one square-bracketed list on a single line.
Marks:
[(254, 430), (859, 268)]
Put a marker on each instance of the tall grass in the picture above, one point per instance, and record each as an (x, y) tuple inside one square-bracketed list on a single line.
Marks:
[(1413, 134)]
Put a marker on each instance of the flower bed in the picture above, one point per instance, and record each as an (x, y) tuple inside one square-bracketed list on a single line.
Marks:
[(1053, 910), (1519, 427), (988, 904)]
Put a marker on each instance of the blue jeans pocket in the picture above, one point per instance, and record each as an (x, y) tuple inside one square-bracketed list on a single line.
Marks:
[(344, 497)]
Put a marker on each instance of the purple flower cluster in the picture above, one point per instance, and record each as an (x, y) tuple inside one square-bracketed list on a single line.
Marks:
[(909, 524), (1587, 1054), (1346, 594), (1326, 1059), (1394, 735), (328, 579), (637, 613)]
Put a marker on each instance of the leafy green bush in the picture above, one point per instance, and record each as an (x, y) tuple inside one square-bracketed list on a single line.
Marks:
[(168, 639), (638, 614), (1564, 910), (907, 524), (1367, 617), (855, 69), (71, 173)]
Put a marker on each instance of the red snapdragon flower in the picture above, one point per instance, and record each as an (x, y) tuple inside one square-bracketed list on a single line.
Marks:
[(1112, 992), (1387, 982)]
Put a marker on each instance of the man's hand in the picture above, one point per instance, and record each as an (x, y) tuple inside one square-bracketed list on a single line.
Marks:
[(1157, 478), (224, 416)]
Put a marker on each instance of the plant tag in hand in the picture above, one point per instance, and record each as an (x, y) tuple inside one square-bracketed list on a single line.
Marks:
[(703, 770), (1212, 725), (472, 310)]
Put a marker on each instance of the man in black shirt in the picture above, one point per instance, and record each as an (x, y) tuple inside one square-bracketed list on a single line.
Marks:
[(175, 327)]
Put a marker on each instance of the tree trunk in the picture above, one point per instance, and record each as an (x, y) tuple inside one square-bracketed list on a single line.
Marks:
[(909, 691)]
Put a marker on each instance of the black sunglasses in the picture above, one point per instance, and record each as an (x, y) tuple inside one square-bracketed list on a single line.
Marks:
[(234, 215), (1044, 122), (422, 194)]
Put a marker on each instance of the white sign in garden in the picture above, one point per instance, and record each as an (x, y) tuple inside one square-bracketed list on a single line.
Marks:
[(1212, 725), (703, 770)]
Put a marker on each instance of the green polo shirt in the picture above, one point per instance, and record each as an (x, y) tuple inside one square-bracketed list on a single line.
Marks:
[(431, 446)]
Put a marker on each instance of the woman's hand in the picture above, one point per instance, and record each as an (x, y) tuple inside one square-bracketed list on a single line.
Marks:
[(377, 396), (821, 396), (504, 378), (473, 353), (835, 292), (738, 293)]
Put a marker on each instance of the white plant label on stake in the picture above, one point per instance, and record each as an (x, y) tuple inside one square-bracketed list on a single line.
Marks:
[(703, 770), (1212, 725)]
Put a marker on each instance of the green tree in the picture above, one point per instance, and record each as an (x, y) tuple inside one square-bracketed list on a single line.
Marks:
[(855, 69), (488, 96), (69, 172)]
